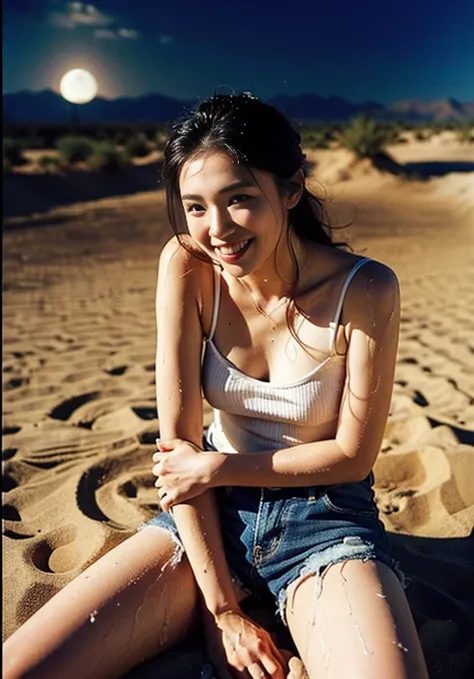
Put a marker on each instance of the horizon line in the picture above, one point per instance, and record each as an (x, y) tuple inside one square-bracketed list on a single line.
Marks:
[(301, 94)]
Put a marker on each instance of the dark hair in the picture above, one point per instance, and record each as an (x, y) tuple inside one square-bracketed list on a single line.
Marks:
[(256, 135)]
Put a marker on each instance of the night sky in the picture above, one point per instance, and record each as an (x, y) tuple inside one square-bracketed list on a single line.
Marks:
[(362, 49)]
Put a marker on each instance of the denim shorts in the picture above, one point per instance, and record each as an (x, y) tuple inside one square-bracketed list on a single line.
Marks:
[(275, 536)]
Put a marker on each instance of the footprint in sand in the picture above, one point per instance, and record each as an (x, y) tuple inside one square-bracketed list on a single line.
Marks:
[(56, 552), (66, 408), (8, 431), (118, 371), (8, 453)]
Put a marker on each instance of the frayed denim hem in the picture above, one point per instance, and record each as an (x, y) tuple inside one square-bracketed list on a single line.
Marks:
[(179, 553), (350, 549), (243, 591)]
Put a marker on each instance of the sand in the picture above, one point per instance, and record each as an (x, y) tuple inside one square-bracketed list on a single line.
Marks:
[(80, 413)]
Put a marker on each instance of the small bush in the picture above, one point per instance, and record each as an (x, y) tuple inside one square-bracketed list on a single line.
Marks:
[(106, 157), (137, 146), (75, 148), (49, 163), (394, 134), (465, 134), (160, 140), (13, 151), (316, 139), (364, 137)]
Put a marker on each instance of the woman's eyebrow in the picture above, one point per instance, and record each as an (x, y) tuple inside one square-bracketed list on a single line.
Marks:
[(231, 187)]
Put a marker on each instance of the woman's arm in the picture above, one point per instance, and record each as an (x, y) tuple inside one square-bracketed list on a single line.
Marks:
[(178, 388), (232, 637), (373, 304)]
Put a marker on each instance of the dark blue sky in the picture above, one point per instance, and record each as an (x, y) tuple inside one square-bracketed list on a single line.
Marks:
[(358, 49)]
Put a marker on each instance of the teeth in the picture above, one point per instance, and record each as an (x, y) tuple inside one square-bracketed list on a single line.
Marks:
[(232, 250)]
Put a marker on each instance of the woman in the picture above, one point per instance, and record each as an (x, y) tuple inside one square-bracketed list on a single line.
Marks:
[(293, 341)]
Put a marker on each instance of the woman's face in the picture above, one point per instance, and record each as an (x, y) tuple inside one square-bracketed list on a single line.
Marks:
[(230, 216)]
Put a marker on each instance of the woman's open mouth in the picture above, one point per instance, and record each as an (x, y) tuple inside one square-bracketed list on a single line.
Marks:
[(231, 253)]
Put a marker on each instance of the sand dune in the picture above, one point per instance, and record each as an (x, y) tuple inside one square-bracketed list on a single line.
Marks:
[(79, 397)]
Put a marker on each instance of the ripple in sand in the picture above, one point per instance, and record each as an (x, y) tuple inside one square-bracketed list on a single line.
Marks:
[(35, 596), (102, 490), (64, 410), (128, 421), (8, 481), (10, 513)]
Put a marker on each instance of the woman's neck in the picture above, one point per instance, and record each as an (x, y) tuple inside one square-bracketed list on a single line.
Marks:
[(274, 281)]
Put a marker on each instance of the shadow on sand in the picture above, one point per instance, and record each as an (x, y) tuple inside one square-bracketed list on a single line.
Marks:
[(429, 169), (440, 593), (30, 193)]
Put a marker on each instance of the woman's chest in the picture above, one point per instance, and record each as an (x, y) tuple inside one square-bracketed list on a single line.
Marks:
[(277, 349)]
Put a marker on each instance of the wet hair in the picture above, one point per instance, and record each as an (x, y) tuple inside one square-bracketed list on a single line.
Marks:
[(258, 136)]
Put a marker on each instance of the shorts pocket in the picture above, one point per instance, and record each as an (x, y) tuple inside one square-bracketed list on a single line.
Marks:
[(351, 499)]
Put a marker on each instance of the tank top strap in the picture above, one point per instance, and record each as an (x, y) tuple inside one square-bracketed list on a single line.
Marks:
[(217, 299), (334, 324)]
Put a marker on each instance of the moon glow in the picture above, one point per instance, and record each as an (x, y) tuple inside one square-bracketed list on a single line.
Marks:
[(78, 86)]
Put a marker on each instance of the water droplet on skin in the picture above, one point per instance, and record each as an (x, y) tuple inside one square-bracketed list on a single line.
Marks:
[(92, 616)]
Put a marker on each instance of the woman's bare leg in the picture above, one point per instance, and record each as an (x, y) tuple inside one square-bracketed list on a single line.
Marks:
[(359, 625), (134, 602)]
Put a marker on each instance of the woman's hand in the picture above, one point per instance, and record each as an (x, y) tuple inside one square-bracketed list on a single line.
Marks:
[(183, 471), (248, 650)]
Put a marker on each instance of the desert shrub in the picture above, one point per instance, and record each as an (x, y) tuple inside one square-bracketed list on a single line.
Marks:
[(13, 151), (106, 157), (160, 140), (420, 135), (75, 148), (364, 137), (465, 134), (48, 163), (137, 146), (316, 139), (394, 134)]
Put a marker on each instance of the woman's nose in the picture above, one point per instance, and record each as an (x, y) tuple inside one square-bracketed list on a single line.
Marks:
[(220, 224)]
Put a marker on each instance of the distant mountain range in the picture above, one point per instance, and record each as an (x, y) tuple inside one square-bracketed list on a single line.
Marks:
[(47, 106)]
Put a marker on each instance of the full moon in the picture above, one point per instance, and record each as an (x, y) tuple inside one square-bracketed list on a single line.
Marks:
[(78, 86)]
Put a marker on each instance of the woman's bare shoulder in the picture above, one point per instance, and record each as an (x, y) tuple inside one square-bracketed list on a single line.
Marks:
[(374, 291), (185, 273), (182, 254)]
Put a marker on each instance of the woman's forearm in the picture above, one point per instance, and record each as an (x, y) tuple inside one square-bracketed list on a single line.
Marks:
[(200, 531), (308, 464)]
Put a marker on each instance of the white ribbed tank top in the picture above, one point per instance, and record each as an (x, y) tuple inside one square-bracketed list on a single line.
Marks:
[(252, 415)]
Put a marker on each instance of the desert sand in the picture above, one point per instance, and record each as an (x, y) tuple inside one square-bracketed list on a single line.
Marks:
[(80, 415)]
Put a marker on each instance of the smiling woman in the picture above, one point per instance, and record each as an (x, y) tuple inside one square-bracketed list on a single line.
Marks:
[(78, 86), (278, 495)]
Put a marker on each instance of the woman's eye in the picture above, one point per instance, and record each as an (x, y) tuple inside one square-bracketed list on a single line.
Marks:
[(195, 207), (239, 199)]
